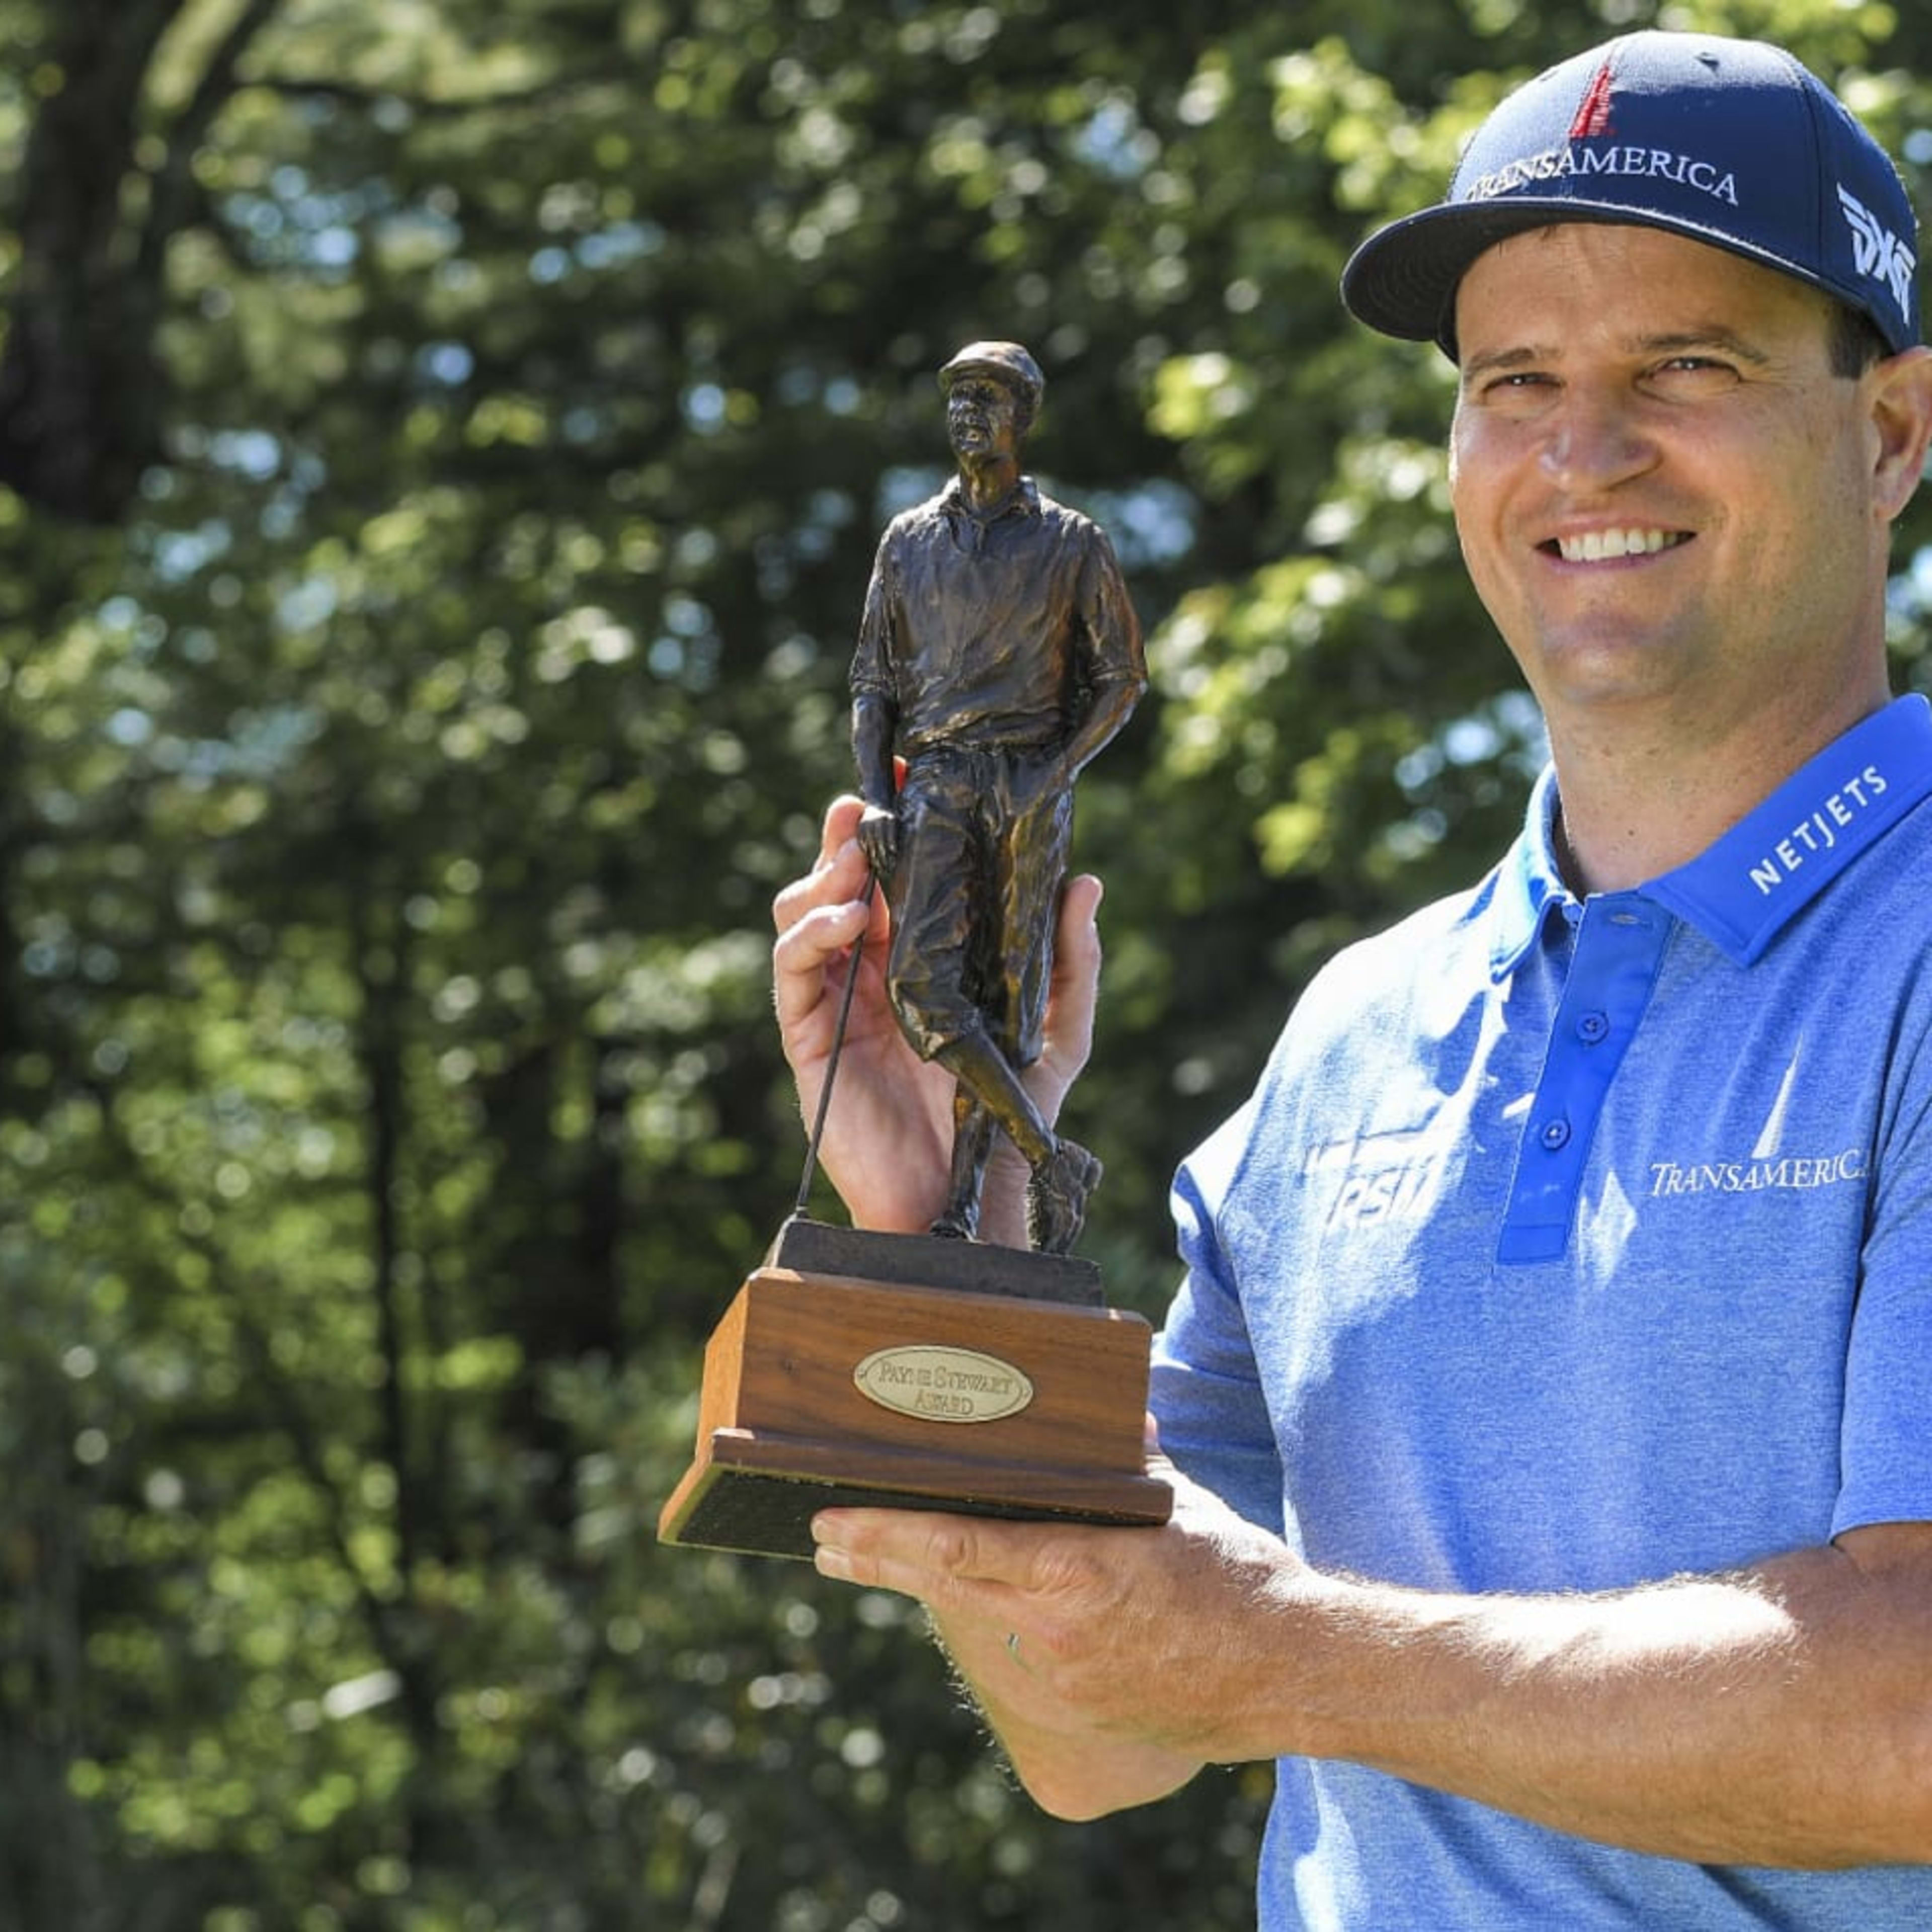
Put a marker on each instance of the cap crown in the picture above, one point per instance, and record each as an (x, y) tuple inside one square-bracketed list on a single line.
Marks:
[(1731, 142)]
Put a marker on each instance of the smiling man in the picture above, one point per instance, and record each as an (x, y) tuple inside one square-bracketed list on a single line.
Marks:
[(1550, 1389)]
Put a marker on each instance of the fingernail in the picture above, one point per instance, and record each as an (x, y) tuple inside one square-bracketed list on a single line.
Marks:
[(830, 1559)]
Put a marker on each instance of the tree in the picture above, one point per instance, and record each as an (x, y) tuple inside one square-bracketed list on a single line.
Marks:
[(445, 445)]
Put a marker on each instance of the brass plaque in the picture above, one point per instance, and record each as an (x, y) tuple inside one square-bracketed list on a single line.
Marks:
[(942, 1384)]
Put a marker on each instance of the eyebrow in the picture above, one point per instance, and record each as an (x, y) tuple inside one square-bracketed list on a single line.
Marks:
[(1675, 342)]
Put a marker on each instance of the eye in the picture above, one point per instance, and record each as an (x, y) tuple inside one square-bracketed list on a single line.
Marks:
[(1694, 373), (1514, 391)]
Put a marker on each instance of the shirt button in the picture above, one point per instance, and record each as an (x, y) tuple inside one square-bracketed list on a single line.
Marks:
[(1556, 1135), (1592, 1027)]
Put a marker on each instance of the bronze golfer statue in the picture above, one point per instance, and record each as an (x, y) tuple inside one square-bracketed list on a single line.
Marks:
[(997, 653)]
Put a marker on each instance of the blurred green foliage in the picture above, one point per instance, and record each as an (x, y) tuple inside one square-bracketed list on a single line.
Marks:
[(445, 442)]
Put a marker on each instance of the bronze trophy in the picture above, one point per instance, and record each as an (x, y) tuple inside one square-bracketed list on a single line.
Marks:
[(997, 653)]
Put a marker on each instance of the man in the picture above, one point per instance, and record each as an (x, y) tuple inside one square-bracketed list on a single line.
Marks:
[(1551, 1384), (998, 652)]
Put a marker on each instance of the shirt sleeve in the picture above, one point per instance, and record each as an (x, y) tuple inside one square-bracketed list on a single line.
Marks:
[(871, 659), (1885, 1446), (1114, 649), (1206, 1393)]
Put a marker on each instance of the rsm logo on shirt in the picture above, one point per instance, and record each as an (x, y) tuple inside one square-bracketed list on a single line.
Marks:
[(1380, 1177)]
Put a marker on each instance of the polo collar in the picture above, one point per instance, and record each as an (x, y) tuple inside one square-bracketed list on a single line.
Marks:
[(1021, 500), (1741, 891)]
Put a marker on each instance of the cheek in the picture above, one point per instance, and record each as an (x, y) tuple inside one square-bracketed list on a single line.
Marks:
[(1475, 514), (1484, 466)]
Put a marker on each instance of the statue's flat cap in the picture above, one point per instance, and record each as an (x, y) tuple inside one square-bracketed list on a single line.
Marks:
[(1007, 361)]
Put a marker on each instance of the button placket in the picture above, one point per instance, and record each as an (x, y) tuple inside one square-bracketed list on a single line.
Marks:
[(1618, 949)]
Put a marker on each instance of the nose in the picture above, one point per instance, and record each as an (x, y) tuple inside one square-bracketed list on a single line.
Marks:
[(1594, 438)]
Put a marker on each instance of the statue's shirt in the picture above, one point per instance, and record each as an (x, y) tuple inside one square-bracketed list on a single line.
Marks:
[(983, 632)]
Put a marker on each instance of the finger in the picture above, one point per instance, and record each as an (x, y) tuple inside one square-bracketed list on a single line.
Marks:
[(1158, 1462), (803, 951), (841, 820), (1074, 994), (1077, 940), (935, 1558), (839, 874), (837, 830)]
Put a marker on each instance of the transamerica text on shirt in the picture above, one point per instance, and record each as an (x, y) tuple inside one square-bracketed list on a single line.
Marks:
[(1792, 1172)]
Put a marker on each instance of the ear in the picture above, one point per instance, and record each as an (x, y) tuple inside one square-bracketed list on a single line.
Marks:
[(1900, 393)]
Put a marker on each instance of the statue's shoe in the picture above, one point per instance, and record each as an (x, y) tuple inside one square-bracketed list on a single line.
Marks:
[(1057, 1197)]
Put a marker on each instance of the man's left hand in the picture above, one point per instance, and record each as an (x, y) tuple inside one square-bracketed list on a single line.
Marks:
[(1088, 1648)]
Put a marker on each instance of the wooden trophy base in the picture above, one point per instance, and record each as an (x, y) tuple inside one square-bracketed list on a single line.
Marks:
[(1006, 1389)]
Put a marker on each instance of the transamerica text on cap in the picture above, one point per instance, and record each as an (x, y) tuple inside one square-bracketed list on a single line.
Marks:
[(1580, 158)]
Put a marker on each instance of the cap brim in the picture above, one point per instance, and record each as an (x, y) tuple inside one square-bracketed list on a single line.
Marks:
[(1014, 380), (1402, 280)]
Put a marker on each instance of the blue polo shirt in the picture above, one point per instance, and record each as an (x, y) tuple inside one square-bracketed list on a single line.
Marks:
[(1571, 1245)]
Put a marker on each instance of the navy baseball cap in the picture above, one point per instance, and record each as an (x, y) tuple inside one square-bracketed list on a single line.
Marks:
[(1731, 143)]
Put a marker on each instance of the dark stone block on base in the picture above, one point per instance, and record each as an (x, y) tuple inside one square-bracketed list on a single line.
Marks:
[(973, 1268)]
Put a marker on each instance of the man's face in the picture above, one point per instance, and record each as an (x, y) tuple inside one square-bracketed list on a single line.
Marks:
[(982, 417), (1664, 496)]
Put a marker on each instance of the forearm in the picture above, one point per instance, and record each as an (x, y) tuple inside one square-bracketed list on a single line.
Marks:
[(1111, 704), (874, 720), (1779, 1717)]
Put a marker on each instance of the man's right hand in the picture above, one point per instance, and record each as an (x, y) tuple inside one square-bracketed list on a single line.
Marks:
[(888, 1141), (888, 1144)]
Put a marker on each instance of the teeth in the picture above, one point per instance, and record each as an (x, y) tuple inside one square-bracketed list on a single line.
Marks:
[(1598, 546)]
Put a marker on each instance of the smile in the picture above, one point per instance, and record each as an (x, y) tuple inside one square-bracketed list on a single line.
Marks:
[(1602, 546)]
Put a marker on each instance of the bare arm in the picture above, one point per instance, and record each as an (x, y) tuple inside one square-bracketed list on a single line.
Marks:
[(1781, 1715)]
